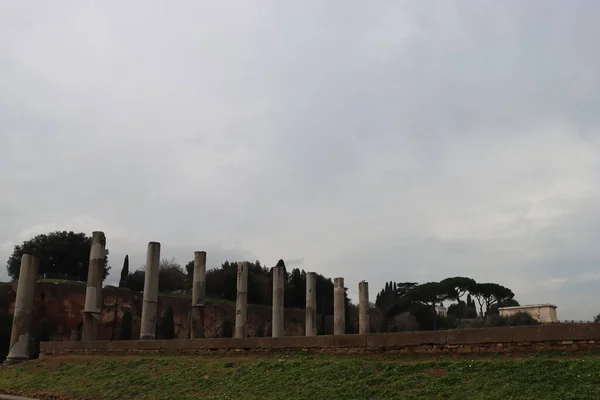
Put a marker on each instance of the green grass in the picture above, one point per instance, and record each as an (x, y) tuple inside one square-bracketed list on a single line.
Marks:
[(60, 281), (302, 376)]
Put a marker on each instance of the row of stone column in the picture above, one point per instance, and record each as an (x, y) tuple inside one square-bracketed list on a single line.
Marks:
[(339, 304), (150, 297), (20, 340)]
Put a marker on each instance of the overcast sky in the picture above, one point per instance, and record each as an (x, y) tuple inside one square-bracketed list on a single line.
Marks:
[(380, 140)]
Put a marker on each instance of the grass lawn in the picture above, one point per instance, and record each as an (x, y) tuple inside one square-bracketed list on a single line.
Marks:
[(302, 376), (59, 281)]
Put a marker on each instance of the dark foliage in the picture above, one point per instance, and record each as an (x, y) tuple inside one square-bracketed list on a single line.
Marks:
[(135, 280), (226, 330), (126, 329), (124, 272), (61, 255), (421, 301), (519, 319), (43, 335), (5, 330), (170, 276), (166, 325)]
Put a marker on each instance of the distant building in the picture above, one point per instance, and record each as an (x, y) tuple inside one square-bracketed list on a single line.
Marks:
[(441, 310), (542, 312)]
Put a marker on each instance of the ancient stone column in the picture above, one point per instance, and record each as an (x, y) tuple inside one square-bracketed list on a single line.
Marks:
[(311, 304), (198, 294), (363, 308), (149, 304), (339, 307), (92, 311), (20, 334), (278, 279), (241, 303)]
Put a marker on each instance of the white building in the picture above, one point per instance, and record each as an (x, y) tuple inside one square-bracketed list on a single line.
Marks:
[(441, 310), (541, 312)]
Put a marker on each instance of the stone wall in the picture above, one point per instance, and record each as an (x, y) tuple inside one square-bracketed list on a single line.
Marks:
[(553, 337), (62, 304)]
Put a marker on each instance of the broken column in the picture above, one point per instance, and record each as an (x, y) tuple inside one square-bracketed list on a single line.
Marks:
[(198, 294), (278, 279), (311, 304), (92, 311), (339, 307), (363, 307), (241, 303), (20, 334), (150, 300)]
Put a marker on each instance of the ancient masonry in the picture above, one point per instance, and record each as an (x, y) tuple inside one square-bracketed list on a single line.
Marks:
[(20, 334), (278, 278), (563, 337), (19, 349), (311, 304), (93, 293), (241, 302), (339, 307), (150, 300)]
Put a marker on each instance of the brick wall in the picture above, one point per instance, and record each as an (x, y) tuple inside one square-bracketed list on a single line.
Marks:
[(62, 305)]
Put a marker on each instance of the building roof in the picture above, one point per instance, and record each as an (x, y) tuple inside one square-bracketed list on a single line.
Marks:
[(528, 306)]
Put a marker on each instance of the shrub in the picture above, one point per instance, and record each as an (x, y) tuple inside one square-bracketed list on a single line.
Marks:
[(43, 335), (260, 331), (166, 325), (125, 331), (495, 320), (518, 319), (522, 319), (226, 330), (470, 323), (5, 330)]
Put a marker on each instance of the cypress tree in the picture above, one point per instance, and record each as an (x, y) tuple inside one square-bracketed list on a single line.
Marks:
[(124, 272)]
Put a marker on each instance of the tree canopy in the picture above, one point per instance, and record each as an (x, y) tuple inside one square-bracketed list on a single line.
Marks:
[(421, 300), (490, 294), (62, 255)]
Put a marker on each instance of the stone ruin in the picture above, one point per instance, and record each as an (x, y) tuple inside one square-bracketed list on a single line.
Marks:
[(19, 348)]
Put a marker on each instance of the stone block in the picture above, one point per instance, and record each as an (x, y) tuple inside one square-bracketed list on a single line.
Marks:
[(401, 339), (325, 341), (239, 343), (290, 342), (356, 341), (557, 332), (55, 345), (479, 336)]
